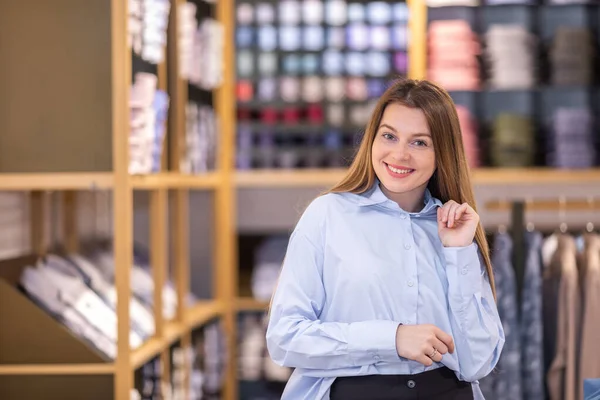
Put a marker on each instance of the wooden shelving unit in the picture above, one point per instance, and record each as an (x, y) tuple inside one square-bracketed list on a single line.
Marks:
[(480, 176), (83, 106), (84, 111)]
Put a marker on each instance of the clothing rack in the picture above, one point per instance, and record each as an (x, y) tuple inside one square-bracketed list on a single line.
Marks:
[(519, 207)]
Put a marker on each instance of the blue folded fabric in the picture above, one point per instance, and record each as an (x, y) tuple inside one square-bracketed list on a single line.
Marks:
[(591, 389)]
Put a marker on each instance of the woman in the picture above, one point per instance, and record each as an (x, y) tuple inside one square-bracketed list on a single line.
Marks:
[(387, 291)]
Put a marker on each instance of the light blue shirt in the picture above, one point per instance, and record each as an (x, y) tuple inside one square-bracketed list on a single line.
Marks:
[(357, 266)]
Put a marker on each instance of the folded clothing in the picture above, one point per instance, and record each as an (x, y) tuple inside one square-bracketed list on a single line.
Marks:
[(452, 52)]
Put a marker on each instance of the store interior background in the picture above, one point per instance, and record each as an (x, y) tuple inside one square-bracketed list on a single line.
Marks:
[(267, 202)]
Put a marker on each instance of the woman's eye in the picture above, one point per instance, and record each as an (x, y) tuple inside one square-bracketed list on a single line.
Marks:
[(420, 143), (388, 136)]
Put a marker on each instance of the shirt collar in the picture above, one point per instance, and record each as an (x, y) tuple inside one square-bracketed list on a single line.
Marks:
[(375, 196)]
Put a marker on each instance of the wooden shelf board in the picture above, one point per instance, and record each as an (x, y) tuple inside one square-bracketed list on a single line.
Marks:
[(527, 176), (480, 176), (56, 181), (251, 304), (202, 312), (105, 180), (196, 315), (168, 180), (288, 178), (58, 369)]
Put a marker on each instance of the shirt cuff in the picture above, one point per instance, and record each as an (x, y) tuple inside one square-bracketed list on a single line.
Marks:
[(463, 269), (370, 342)]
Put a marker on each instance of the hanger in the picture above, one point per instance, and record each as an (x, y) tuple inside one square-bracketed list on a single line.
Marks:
[(528, 205), (502, 229), (562, 209), (589, 227)]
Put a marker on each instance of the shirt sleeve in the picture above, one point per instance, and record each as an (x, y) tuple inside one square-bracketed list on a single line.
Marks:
[(297, 338), (478, 333)]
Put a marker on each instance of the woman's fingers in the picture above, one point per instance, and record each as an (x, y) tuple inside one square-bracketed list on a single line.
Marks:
[(446, 339), (440, 346), (425, 360), (452, 214)]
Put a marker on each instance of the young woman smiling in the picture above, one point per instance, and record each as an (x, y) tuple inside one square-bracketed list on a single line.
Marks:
[(387, 291)]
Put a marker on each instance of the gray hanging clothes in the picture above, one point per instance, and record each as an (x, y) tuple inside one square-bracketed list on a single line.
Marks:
[(532, 326), (505, 382)]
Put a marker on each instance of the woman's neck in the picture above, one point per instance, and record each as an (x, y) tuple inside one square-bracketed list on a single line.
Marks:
[(411, 201)]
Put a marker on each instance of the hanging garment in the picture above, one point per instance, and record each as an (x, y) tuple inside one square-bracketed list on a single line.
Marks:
[(504, 383), (551, 283), (562, 382), (589, 356), (532, 351)]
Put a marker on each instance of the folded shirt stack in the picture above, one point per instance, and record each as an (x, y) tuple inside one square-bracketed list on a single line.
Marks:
[(510, 57), (200, 48), (149, 108), (513, 141), (469, 129), (502, 2), (571, 144), (79, 292), (571, 57), (187, 27), (450, 3), (199, 151), (453, 49), (147, 28)]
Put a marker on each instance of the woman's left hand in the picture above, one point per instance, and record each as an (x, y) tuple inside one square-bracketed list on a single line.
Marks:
[(457, 224)]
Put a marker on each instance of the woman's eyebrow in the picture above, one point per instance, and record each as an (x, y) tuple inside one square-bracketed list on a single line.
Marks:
[(391, 128)]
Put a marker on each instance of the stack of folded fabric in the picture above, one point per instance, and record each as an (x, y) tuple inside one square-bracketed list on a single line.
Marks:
[(449, 3), (571, 57), (510, 57), (199, 150), (147, 28), (571, 144), (149, 108), (453, 50), (468, 127), (513, 141)]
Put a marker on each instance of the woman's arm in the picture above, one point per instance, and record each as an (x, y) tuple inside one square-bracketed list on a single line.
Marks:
[(295, 335), (476, 325)]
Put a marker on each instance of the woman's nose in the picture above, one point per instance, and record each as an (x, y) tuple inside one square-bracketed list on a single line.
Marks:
[(401, 153)]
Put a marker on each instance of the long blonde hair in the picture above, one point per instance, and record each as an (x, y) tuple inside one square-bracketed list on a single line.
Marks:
[(451, 180)]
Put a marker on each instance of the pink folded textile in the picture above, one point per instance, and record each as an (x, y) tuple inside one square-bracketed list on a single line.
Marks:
[(452, 55), (469, 130)]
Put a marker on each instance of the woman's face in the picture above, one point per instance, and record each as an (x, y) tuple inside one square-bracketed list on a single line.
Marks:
[(402, 152)]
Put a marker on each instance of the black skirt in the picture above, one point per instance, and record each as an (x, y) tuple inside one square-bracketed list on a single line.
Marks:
[(437, 384)]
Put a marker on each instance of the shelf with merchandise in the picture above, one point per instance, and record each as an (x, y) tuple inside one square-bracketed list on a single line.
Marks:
[(282, 178)]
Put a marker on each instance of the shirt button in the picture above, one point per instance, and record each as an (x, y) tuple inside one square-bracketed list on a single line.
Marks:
[(376, 357), (464, 270), (411, 384), (411, 283), (407, 246)]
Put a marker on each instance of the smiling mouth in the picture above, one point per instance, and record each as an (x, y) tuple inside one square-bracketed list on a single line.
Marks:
[(399, 171)]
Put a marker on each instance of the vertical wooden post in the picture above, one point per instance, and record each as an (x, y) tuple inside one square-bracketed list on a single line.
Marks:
[(158, 253), (178, 90), (122, 194), (182, 250), (186, 343), (162, 71), (225, 203), (38, 220), (69, 214), (177, 126), (417, 44)]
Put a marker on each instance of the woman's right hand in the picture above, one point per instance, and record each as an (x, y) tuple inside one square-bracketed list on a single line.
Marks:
[(423, 343)]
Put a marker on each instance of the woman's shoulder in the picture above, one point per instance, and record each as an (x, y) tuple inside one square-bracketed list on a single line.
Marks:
[(328, 203), (323, 208)]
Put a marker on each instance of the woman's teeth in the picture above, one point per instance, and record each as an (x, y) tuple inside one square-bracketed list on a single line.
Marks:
[(399, 171)]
